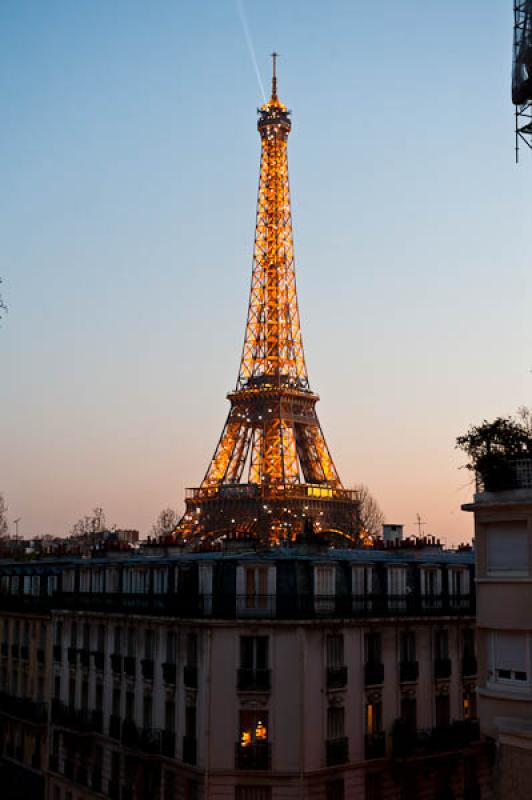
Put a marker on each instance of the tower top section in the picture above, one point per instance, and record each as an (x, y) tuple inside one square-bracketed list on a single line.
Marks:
[(274, 117)]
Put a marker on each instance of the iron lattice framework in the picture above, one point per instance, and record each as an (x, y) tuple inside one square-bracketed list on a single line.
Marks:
[(522, 73), (272, 468)]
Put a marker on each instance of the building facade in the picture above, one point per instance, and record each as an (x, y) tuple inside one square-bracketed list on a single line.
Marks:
[(300, 672), (503, 535)]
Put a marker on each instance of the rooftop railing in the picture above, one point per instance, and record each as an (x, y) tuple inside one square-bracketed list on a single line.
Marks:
[(510, 473)]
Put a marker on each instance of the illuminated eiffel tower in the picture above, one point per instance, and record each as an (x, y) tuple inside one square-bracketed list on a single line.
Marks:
[(272, 471)]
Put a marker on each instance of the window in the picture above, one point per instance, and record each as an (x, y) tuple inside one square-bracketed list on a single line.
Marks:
[(254, 652), (469, 705), (100, 638), (192, 650), (190, 722), (373, 786), (72, 692), (407, 647), (131, 642), (335, 651), (99, 697), (441, 645), (507, 548), (85, 694), (147, 712), (372, 648), (409, 713), (509, 658), (334, 790), (130, 706), (73, 634), (396, 581), (117, 640), (430, 583), (253, 727), (117, 696), (324, 587), (443, 711), (458, 581), (171, 647), (169, 716), (335, 722), (57, 687), (253, 588), (149, 644), (86, 636), (468, 643), (373, 718)]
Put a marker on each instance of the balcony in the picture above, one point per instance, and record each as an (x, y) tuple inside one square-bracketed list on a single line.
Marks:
[(99, 659), (76, 719), (130, 666), (169, 673), (336, 677), (168, 744), (114, 726), (23, 708), (375, 745), (68, 769), (147, 668), (53, 763), (57, 652), (407, 741), (14, 650), (25, 652), (41, 655), (253, 680), (442, 668), (373, 674), (336, 751), (72, 656), (469, 666), (116, 663), (408, 671), (85, 657), (254, 756), (190, 677), (189, 749), (130, 734)]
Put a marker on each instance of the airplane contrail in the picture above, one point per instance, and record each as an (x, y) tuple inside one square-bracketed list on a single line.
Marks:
[(247, 35)]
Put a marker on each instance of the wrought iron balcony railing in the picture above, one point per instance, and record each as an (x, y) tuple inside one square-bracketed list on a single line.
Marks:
[(254, 680), (407, 741), (169, 673), (147, 668), (189, 749), (190, 677), (469, 665), (303, 605), (23, 708), (336, 751), (442, 668), (375, 745), (336, 677), (373, 673), (254, 756), (408, 671)]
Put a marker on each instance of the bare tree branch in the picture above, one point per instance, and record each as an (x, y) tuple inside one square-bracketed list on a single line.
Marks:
[(371, 514)]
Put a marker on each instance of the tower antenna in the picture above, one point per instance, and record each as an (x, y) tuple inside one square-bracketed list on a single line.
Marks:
[(275, 56)]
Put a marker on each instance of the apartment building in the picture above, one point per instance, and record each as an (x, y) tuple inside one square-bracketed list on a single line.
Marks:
[(291, 672)]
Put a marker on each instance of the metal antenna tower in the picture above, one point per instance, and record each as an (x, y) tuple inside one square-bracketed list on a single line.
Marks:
[(522, 73), (272, 470)]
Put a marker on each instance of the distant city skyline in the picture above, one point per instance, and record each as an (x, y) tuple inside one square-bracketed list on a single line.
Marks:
[(130, 163)]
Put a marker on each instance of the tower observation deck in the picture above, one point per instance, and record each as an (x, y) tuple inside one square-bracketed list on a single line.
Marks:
[(271, 471)]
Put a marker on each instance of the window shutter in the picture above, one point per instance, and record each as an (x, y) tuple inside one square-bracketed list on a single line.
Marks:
[(507, 549), (510, 651)]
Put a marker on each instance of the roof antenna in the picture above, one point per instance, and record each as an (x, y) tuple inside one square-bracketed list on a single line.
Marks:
[(275, 56)]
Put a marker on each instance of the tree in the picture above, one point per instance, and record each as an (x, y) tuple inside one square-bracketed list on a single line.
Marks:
[(91, 523), (493, 447), (3, 517), (371, 516), (166, 522), (3, 307)]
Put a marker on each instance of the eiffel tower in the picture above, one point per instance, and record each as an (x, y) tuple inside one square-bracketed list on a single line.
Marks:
[(272, 472)]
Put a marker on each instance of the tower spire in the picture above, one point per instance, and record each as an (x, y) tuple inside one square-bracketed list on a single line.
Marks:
[(275, 56)]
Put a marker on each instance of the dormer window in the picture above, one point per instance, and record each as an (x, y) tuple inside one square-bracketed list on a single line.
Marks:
[(324, 587), (255, 588)]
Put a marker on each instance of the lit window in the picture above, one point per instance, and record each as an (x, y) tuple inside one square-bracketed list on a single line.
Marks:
[(253, 727)]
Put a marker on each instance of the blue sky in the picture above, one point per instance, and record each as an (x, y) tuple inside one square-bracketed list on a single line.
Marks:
[(129, 161)]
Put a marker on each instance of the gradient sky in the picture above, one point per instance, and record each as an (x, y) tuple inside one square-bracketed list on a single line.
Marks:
[(129, 162)]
